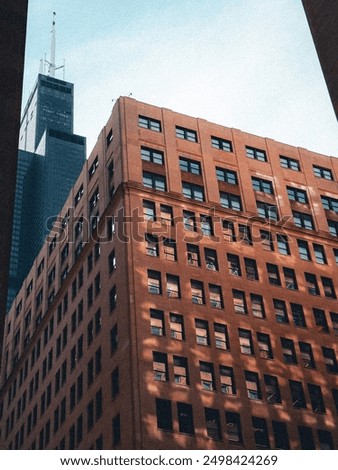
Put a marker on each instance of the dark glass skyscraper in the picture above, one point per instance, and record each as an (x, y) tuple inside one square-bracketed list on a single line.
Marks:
[(49, 161)]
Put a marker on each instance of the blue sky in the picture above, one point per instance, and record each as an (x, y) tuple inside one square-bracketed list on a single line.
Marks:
[(248, 64)]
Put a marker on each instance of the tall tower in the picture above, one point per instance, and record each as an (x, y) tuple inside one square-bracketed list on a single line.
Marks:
[(50, 159), (13, 19)]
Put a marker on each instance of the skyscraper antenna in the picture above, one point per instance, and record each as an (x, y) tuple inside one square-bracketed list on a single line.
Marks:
[(52, 49), (51, 63)]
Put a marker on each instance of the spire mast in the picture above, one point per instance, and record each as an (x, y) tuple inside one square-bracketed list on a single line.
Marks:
[(52, 49), (51, 64)]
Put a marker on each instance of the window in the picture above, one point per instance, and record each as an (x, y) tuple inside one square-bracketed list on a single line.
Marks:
[(193, 254), (109, 137), (202, 332), (29, 288), (149, 210), (211, 259), (169, 248), (39, 298), (227, 379), (298, 195), (207, 376), (93, 167), (335, 254), (193, 191), (116, 430), (267, 242), (221, 144), (166, 214), (181, 372), (290, 163), (320, 320), (306, 438), (335, 398), (112, 261), (239, 302), (228, 229), (213, 423), (316, 398), (306, 355), (244, 234), (272, 389), (303, 220), (190, 166), (189, 221), (273, 274), (221, 336), (90, 262), (245, 341), (41, 267), (176, 327), (78, 227), (164, 414), (112, 298), (251, 269), (312, 284), (321, 172), (264, 346), (113, 339), (283, 244), (328, 287), (93, 201), (304, 251), (253, 385), (334, 320), (233, 427), (320, 255), (280, 432), (97, 284), (297, 394), (290, 279), (154, 282), (206, 225), (226, 176), (267, 211), (298, 315), (90, 296), (330, 360), (256, 154), (288, 351), (152, 155), (157, 322), (173, 286), (325, 440), (257, 306), (234, 265), (186, 134), (261, 185), (149, 123), (333, 227), (230, 201), (260, 431), (216, 297), (185, 418), (160, 366), (64, 253), (78, 195), (329, 203), (154, 181), (197, 292)]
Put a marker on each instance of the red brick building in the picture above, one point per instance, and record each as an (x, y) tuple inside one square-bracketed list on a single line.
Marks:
[(186, 299)]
